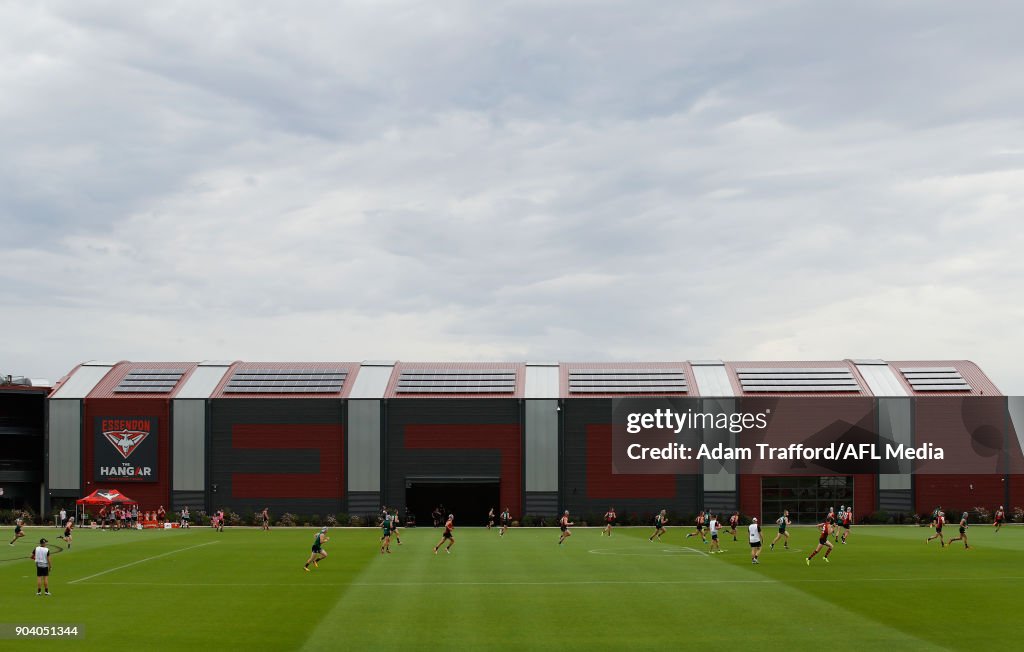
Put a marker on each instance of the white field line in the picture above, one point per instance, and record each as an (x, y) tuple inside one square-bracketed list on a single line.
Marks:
[(111, 570), (578, 582)]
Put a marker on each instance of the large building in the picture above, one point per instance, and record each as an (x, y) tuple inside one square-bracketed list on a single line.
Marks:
[(346, 437), (22, 430)]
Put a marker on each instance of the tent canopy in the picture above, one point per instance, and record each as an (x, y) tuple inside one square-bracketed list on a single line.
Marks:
[(106, 497)]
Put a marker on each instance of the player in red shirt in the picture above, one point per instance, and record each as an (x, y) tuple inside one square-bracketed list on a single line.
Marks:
[(449, 525), (564, 523), (734, 522), (609, 521), (823, 531), (700, 528), (847, 520), (940, 519), (1000, 516)]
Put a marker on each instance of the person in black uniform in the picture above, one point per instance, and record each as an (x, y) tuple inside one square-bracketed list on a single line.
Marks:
[(963, 531)]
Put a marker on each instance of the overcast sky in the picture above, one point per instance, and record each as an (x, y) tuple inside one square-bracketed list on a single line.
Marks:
[(525, 181)]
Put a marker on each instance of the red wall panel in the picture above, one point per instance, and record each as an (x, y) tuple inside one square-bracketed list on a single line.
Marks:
[(327, 439), (955, 492), (149, 494), (602, 483), (506, 438), (865, 496), (749, 487)]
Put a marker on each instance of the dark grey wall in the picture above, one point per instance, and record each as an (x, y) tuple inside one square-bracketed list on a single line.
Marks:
[(577, 415), (224, 460), (401, 463)]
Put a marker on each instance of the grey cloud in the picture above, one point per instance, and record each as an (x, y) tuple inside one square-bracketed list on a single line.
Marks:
[(526, 181)]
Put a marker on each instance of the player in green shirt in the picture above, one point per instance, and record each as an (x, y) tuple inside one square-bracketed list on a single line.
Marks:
[(660, 521), (318, 552)]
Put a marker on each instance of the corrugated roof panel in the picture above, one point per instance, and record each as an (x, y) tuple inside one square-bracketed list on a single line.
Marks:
[(143, 380), (203, 381), (372, 380), (541, 380), (287, 380), (712, 380), (150, 381), (628, 381), (457, 380), (881, 380), (827, 378), (82, 381), (975, 378), (935, 379)]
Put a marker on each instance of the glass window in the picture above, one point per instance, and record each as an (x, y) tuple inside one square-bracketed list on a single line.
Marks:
[(808, 499)]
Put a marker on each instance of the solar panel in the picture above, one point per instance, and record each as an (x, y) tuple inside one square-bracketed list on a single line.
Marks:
[(804, 380), (628, 381), (149, 381), (935, 379), (457, 381), (286, 381)]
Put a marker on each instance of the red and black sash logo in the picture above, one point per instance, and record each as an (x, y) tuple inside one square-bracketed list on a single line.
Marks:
[(125, 441)]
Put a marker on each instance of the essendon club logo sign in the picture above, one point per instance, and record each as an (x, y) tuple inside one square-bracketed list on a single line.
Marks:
[(126, 449), (125, 441)]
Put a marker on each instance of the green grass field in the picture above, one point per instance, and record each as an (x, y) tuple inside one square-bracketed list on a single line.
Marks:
[(246, 589)]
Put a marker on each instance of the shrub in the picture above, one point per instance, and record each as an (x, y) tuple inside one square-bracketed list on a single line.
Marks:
[(314, 520), (331, 521), (1017, 515), (231, 517), (880, 517), (982, 515), (529, 520), (287, 520)]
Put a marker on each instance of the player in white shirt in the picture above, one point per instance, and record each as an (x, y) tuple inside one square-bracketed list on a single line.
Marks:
[(41, 555), (755, 541), (713, 526)]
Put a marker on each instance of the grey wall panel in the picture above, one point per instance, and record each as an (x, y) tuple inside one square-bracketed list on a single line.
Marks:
[(719, 475), (188, 445), (578, 415), (722, 503), (364, 435), (541, 503), (895, 500), (364, 503), (194, 500), (1015, 405), (64, 455), (895, 425), (541, 459)]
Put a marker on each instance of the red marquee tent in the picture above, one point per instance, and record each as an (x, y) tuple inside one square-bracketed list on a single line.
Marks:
[(103, 497), (106, 497)]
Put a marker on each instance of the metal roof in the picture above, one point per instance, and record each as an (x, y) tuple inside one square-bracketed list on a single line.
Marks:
[(549, 380), (204, 380), (82, 381), (372, 380), (225, 389)]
